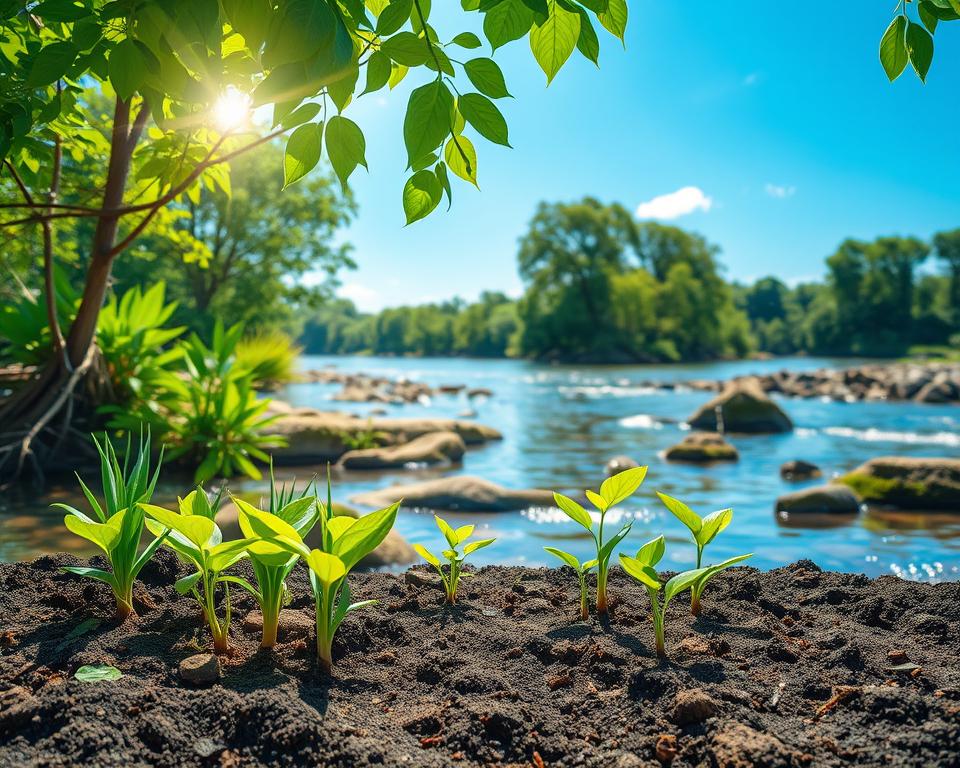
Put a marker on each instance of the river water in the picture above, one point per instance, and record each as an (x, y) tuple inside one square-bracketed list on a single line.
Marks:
[(562, 423)]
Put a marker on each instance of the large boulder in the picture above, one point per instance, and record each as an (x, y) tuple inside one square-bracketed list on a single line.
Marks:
[(432, 448), (829, 499), (702, 447), (921, 484), (314, 437), (459, 493), (743, 407)]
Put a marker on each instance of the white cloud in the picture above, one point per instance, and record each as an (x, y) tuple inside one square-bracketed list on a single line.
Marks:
[(779, 191), (365, 298), (675, 204)]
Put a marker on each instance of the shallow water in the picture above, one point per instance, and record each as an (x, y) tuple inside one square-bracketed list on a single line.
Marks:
[(562, 423)]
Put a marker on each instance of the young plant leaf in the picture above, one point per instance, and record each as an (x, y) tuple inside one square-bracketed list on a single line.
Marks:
[(427, 555), (640, 571), (682, 512), (573, 510), (622, 485), (712, 525), (566, 557), (597, 500), (652, 552), (95, 673), (473, 546)]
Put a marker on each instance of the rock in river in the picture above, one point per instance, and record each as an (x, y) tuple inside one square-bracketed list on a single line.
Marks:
[(459, 493), (619, 464), (799, 470), (913, 483), (702, 447), (743, 407), (431, 448), (823, 499)]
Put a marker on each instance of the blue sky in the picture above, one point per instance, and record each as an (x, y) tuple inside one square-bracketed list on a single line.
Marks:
[(783, 121)]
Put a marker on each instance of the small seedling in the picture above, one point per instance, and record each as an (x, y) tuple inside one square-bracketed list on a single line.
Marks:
[(613, 490), (346, 541), (642, 568), (118, 526), (451, 577), (272, 563), (193, 534), (582, 570), (704, 530)]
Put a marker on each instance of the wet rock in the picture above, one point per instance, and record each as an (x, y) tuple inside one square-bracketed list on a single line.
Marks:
[(479, 392), (460, 493), (432, 448), (799, 470), (200, 669), (619, 464), (293, 624), (702, 447), (821, 499), (693, 705), (742, 406), (918, 484)]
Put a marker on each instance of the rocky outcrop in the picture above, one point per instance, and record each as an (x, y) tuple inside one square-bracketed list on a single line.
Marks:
[(798, 469), (741, 407), (314, 437), (911, 483), (459, 493), (821, 500), (361, 388), (702, 447), (432, 448)]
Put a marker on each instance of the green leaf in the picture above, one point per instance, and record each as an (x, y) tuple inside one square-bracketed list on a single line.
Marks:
[(652, 552), (928, 15), (52, 63), (95, 673), (484, 116), (566, 557), (682, 512), (365, 535), (473, 546), (186, 583), (448, 533), (397, 73), (588, 43), (467, 40), (574, 511), (507, 21), (681, 582), (127, 68), (454, 154), (614, 19), (302, 114), (378, 72), (346, 147), (393, 17), (464, 532), (302, 152), (300, 30), (486, 77), (622, 485), (329, 569), (640, 571), (407, 49), (553, 41), (713, 524), (444, 178), (427, 555), (427, 122), (893, 48), (91, 573), (597, 500), (105, 535), (421, 194), (920, 48), (194, 528)]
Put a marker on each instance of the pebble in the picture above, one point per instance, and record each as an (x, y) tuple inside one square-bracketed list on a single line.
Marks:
[(693, 705), (200, 669)]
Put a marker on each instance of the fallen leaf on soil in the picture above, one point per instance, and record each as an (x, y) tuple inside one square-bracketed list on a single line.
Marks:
[(559, 681), (538, 761), (430, 741), (841, 693), (666, 749)]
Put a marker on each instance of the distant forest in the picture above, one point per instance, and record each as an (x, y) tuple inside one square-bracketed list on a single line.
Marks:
[(602, 287)]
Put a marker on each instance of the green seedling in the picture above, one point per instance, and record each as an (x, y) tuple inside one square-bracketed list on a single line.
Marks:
[(117, 525), (451, 577), (642, 568), (194, 535), (346, 541), (704, 530), (613, 490), (272, 563), (582, 570)]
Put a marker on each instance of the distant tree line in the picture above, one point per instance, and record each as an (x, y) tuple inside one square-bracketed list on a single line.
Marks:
[(600, 286)]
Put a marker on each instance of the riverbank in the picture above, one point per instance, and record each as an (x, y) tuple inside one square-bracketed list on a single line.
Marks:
[(794, 667)]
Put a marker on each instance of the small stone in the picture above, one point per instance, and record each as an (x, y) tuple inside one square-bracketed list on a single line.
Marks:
[(692, 706), (201, 669), (421, 578), (799, 470), (666, 749), (897, 657), (559, 681), (206, 747), (619, 464)]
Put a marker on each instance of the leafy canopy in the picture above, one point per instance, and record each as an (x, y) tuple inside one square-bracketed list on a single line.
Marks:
[(198, 65)]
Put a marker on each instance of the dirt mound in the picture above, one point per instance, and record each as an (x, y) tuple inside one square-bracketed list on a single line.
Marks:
[(795, 667)]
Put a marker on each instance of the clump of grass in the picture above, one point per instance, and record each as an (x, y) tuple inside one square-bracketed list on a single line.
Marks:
[(270, 357)]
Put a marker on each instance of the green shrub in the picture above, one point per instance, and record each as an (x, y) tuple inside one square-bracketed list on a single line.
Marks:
[(270, 358)]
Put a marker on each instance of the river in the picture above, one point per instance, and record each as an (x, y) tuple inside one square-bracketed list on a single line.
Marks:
[(562, 423)]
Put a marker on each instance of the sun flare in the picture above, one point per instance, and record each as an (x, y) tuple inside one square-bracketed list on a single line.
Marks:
[(231, 110)]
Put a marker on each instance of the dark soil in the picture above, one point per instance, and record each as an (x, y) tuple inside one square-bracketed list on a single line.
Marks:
[(789, 668)]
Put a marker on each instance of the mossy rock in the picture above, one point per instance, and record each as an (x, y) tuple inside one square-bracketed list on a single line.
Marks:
[(743, 407), (919, 484), (702, 447)]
